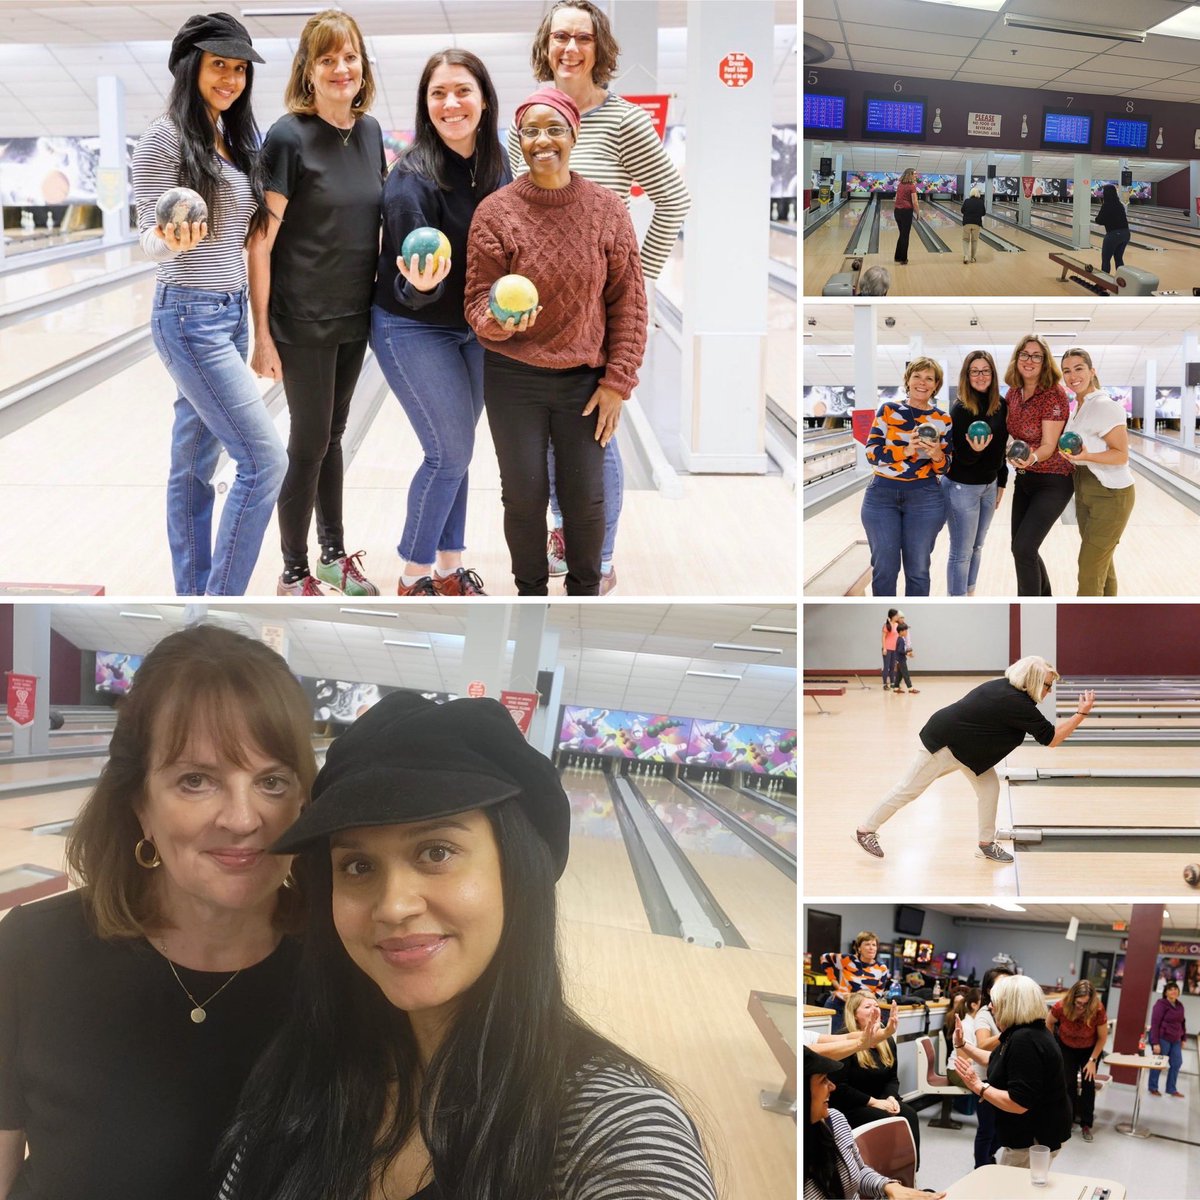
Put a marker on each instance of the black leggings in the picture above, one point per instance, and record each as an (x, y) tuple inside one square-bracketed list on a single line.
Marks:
[(528, 408), (904, 223), (1080, 1088), (1038, 501), (319, 382)]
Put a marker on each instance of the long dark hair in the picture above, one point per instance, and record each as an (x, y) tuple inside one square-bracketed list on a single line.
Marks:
[(977, 403), (821, 1157), (197, 168), (989, 978), (427, 154), (334, 1098)]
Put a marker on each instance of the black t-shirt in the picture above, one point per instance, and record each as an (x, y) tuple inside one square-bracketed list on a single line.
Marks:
[(857, 1084), (410, 201), (1028, 1065), (968, 465), (121, 1096), (973, 210), (323, 261), (989, 722)]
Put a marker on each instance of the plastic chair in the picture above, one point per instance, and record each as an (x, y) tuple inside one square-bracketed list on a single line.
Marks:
[(887, 1145), (931, 1083)]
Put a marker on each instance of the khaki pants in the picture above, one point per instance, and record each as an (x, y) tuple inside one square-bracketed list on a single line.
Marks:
[(922, 771), (1103, 514), (1006, 1157), (970, 241)]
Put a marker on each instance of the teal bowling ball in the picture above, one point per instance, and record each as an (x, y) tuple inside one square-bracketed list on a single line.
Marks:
[(425, 241), (512, 296), (978, 429), (178, 205), (1017, 450), (1070, 443)]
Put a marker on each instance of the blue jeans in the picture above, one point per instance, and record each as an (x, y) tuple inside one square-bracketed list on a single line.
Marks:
[(614, 494), (1174, 1053), (436, 373), (1113, 246), (902, 521), (969, 510), (202, 338)]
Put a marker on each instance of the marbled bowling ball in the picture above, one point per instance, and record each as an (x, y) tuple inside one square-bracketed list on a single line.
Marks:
[(928, 434), (425, 241), (1070, 443), (1018, 450), (179, 204), (978, 429), (512, 296)]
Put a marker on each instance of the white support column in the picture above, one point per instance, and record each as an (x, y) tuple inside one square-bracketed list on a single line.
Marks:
[(484, 650), (1187, 395), (535, 649), (1024, 203), (1039, 635), (1081, 206), (31, 656), (110, 103), (722, 417), (1149, 394), (866, 387)]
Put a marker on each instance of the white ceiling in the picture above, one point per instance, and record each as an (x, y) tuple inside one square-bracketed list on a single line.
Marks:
[(1183, 917), (1120, 337), (614, 656), (51, 55), (937, 41)]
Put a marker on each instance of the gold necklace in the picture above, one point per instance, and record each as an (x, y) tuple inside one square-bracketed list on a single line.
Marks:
[(346, 136), (198, 1014)]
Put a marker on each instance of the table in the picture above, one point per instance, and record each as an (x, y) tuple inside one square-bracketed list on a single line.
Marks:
[(775, 1017), (1141, 1062), (1016, 1183)]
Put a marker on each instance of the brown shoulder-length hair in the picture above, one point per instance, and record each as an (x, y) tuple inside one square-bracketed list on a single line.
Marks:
[(328, 30), (1071, 1002), (969, 396), (242, 694), (1050, 375), (607, 49)]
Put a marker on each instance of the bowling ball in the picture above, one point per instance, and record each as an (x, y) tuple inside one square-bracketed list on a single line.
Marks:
[(57, 720), (425, 241), (1191, 874), (179, 204), (928, 433), (1070, 443), (1017, 450), (512, 296), (978, 429)]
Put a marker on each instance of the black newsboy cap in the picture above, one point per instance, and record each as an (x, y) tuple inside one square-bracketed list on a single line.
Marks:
[(409, 759), (218, 33)]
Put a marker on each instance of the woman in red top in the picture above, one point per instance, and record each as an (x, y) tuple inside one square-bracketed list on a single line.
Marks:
[(1037, 413), (1080, 1026), (905, 210)]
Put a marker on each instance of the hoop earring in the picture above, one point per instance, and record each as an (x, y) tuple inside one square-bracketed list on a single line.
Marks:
[(289, 882), (308, 87), (139, 855)]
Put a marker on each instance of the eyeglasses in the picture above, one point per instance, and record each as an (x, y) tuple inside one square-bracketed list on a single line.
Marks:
[(562, 38), (530, 132), (1031, 357), (978, 374)]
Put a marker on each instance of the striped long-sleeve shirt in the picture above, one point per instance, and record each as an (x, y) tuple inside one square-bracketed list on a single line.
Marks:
[(895, 429), (617, 147), (219, 262), (857, 1178)]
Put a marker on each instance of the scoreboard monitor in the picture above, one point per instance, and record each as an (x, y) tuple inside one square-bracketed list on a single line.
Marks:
[(1126, 133), (825, 110), (886, 115), (1066, 127)]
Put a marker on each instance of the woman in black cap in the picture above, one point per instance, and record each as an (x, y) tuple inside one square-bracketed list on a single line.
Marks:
[(207, 141), (833, 1167), (430, 1052)]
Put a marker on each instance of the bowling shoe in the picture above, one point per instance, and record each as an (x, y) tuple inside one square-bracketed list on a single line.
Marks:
[(608, 582), (345, 574), (307, 586), (463, 582), (422, 587), (993, 853)]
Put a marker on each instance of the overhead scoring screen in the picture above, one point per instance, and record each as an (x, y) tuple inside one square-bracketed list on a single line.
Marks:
[(1127, 133), (888, 116), (824, 110), (1060, 128)]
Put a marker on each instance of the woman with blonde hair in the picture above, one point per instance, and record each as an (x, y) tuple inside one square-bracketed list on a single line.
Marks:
[(1025, 1081), (1037, 414), (906, 209), (1080, 1026), (1104, 493), (972, 736), (903, 509)]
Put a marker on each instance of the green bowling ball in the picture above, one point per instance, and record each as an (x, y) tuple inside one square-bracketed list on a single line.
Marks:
[(978, 429), (1070, 443), (425, 241)]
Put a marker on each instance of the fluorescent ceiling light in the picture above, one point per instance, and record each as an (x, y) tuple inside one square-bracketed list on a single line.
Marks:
[(304, 10), (713, 675), (751, 649), (371, 612), (834, 354), (409, 645), (1185, 24), (143, 616), (982, 5), (772, 629), (1061, 320), (1008, 906), (1072, 28)]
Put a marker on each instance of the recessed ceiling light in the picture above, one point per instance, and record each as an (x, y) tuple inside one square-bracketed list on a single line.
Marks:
[(749, 649), (1185, 24), (370, 612), (409, 645), (143, 616), (981, 5), (772, 629), (1073, 28), (713, 675)]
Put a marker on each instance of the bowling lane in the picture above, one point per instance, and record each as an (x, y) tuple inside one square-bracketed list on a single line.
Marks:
[(758, 898), (32, 772), (19, 814), (37, 281), (783, 247), (1094, 756), (598, 886), (1177, 461), (1097, 803), (779, 827)]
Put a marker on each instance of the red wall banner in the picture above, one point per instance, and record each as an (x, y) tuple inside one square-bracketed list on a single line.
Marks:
[(22, 697), (521, 706)]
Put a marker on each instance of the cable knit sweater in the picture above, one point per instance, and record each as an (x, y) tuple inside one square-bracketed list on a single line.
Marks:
[(578, 246)]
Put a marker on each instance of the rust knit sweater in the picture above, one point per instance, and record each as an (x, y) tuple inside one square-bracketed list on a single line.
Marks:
[(578, 246)]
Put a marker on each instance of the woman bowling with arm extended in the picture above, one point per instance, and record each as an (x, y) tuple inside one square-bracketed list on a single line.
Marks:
[(1080, 1026), (978, 475), (972, 736), (1037, 414), (1104, 489), (207, 141), (903, 508)]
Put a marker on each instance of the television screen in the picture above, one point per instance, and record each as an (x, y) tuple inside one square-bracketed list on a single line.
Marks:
[(909, 950), (1126, 133), (1065, 128), (887, 116), (924, 952), (824, 110), (950, 960), (909, 919)]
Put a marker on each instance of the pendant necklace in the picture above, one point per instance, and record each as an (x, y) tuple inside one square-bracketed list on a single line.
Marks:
[(345, 136), (198, 1014)]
